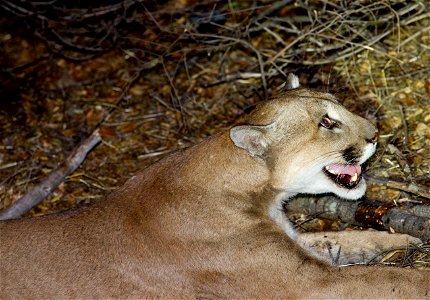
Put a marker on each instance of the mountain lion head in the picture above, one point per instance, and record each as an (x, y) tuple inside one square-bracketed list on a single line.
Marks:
[(309, 142)]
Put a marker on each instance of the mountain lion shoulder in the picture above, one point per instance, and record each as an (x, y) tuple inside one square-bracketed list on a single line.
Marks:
[(207, 222)]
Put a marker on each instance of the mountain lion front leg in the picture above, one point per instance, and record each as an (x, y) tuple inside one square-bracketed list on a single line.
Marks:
[(353, 247)]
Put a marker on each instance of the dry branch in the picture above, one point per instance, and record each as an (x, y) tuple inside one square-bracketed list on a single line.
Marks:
[(409, 187), (365, 214), (44, 188)]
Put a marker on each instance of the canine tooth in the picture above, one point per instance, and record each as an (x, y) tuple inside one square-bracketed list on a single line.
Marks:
[(330, 170), (354, 178)]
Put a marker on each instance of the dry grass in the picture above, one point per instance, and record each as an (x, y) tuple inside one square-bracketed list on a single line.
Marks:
[(412, 257)]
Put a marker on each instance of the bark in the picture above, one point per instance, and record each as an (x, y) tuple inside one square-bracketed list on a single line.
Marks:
[(415, 221)]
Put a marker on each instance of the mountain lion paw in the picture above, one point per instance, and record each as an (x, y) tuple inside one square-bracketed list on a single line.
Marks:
[(352, 247)]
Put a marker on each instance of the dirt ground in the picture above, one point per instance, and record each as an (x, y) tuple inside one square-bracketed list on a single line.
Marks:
[(156, 78)]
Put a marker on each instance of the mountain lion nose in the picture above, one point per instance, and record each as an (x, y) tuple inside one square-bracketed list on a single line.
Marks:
[(374, 139)]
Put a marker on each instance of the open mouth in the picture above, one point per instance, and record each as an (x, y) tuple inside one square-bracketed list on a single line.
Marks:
[(347, 176)]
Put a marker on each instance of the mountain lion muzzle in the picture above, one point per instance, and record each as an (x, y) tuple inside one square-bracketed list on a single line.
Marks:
[(206, 222)]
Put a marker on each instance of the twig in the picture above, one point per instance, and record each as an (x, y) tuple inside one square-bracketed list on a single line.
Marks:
[(26, 65), (247, 45), (44, 188), (405, 128), (237, 76), (411, 187), (276, 6), (400, 158)]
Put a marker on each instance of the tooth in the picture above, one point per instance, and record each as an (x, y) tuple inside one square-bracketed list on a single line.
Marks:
[(330, 170), (354, 178)]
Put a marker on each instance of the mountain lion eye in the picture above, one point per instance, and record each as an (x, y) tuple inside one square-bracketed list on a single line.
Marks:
[(328, 123)]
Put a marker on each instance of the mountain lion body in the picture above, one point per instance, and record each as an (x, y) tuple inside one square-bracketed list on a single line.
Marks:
[(206, 222)]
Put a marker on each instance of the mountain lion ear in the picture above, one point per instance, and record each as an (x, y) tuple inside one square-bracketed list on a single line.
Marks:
[(250, 138), (292, 82)]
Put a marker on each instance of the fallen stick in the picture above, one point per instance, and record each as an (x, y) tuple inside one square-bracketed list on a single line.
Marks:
[(363, 213), (73, 161), (50, 183), (403, 186)]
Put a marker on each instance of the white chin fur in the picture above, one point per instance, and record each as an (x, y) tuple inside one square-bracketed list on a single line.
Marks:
[(322, 184), (352, 194)]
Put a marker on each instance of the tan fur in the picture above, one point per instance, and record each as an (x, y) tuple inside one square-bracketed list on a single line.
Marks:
[(203, 223)]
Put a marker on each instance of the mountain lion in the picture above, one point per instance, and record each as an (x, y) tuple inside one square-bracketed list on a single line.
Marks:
[(207, 222)]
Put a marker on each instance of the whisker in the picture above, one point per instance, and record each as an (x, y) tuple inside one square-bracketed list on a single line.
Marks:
[(325, 156)]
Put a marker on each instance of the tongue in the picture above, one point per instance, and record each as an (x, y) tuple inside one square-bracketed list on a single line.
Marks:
[(350, 170)]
